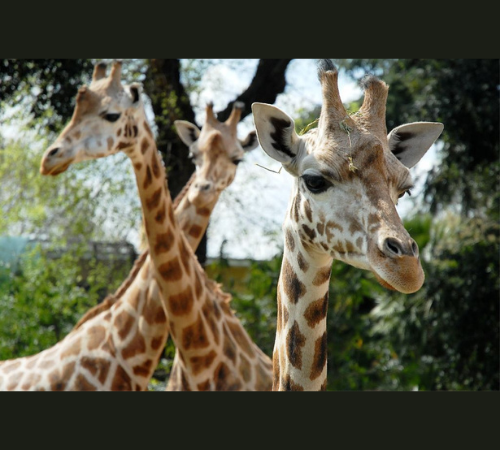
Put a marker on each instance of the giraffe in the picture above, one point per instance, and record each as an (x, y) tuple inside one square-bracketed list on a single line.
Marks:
[(215, 351), (138, 343), (348, 175)]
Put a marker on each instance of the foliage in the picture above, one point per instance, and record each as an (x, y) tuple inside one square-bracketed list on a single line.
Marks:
[(44, 298), (255, 305), (41, 88)]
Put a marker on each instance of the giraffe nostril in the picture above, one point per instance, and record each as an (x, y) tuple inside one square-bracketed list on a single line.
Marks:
[(53, 151), (414, 248), (392, 247), (204, 186)]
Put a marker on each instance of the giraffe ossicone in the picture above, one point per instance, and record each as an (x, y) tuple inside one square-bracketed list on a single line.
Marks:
[(339, 213)]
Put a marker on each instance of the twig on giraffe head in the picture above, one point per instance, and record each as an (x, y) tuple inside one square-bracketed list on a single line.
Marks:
[(348, 129), (308, 127), (270, 170)]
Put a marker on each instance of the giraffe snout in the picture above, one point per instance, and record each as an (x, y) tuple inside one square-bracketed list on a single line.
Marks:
[(393, 247)]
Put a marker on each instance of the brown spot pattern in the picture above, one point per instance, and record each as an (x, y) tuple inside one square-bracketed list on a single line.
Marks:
[(199, 363), (205, 212), (82, 384), (110, 143), (144, 369), (135, 347), (153, 201), (155, 165), (154, 313), (225, 379), (322, 276), (307, 209), (99, 367), (148, 179), (182, 303), (293, 287), (164, 242), (121, 380), (194, 336), (303, 264), (294, 341), (124, 323), (144, 145), (316, 311), (96, 336), (204, 385), (171, 270), (310, 232), (319, 360), (289, 241), (195, 231), (156, 343), (161, 213)]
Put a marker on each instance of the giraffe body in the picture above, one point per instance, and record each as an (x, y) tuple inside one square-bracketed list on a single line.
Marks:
[(131, 323), (349, 174), (215, 352)]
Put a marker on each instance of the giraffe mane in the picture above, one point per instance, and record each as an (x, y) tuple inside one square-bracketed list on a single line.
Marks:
[(111, 299)]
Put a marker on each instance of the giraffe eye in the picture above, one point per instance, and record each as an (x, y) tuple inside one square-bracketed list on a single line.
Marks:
[(405, 192), (237, 161), (315, 183), (112, 117)]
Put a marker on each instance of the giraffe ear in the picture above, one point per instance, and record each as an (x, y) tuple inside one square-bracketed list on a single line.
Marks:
[(409, 142), (135, 93), (188, 132), (276, 133), (250, 142)]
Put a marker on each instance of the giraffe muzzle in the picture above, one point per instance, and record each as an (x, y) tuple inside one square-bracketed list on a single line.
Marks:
[(393, 247)]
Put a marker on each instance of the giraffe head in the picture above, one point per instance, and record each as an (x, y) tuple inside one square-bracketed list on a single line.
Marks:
[(349, 174), (216, 151), (104, 121)]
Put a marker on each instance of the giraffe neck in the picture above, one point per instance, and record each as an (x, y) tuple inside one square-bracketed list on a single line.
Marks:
[(214, 350), (179, 275), (191, 218), (299, 356)]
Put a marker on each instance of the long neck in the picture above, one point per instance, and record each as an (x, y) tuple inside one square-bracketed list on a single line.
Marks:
[(300, 349), (192, 219), (171, 255), (214, 349)]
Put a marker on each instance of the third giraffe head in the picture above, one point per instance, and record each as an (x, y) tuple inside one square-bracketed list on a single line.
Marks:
[(216, 151), (349, 174)]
